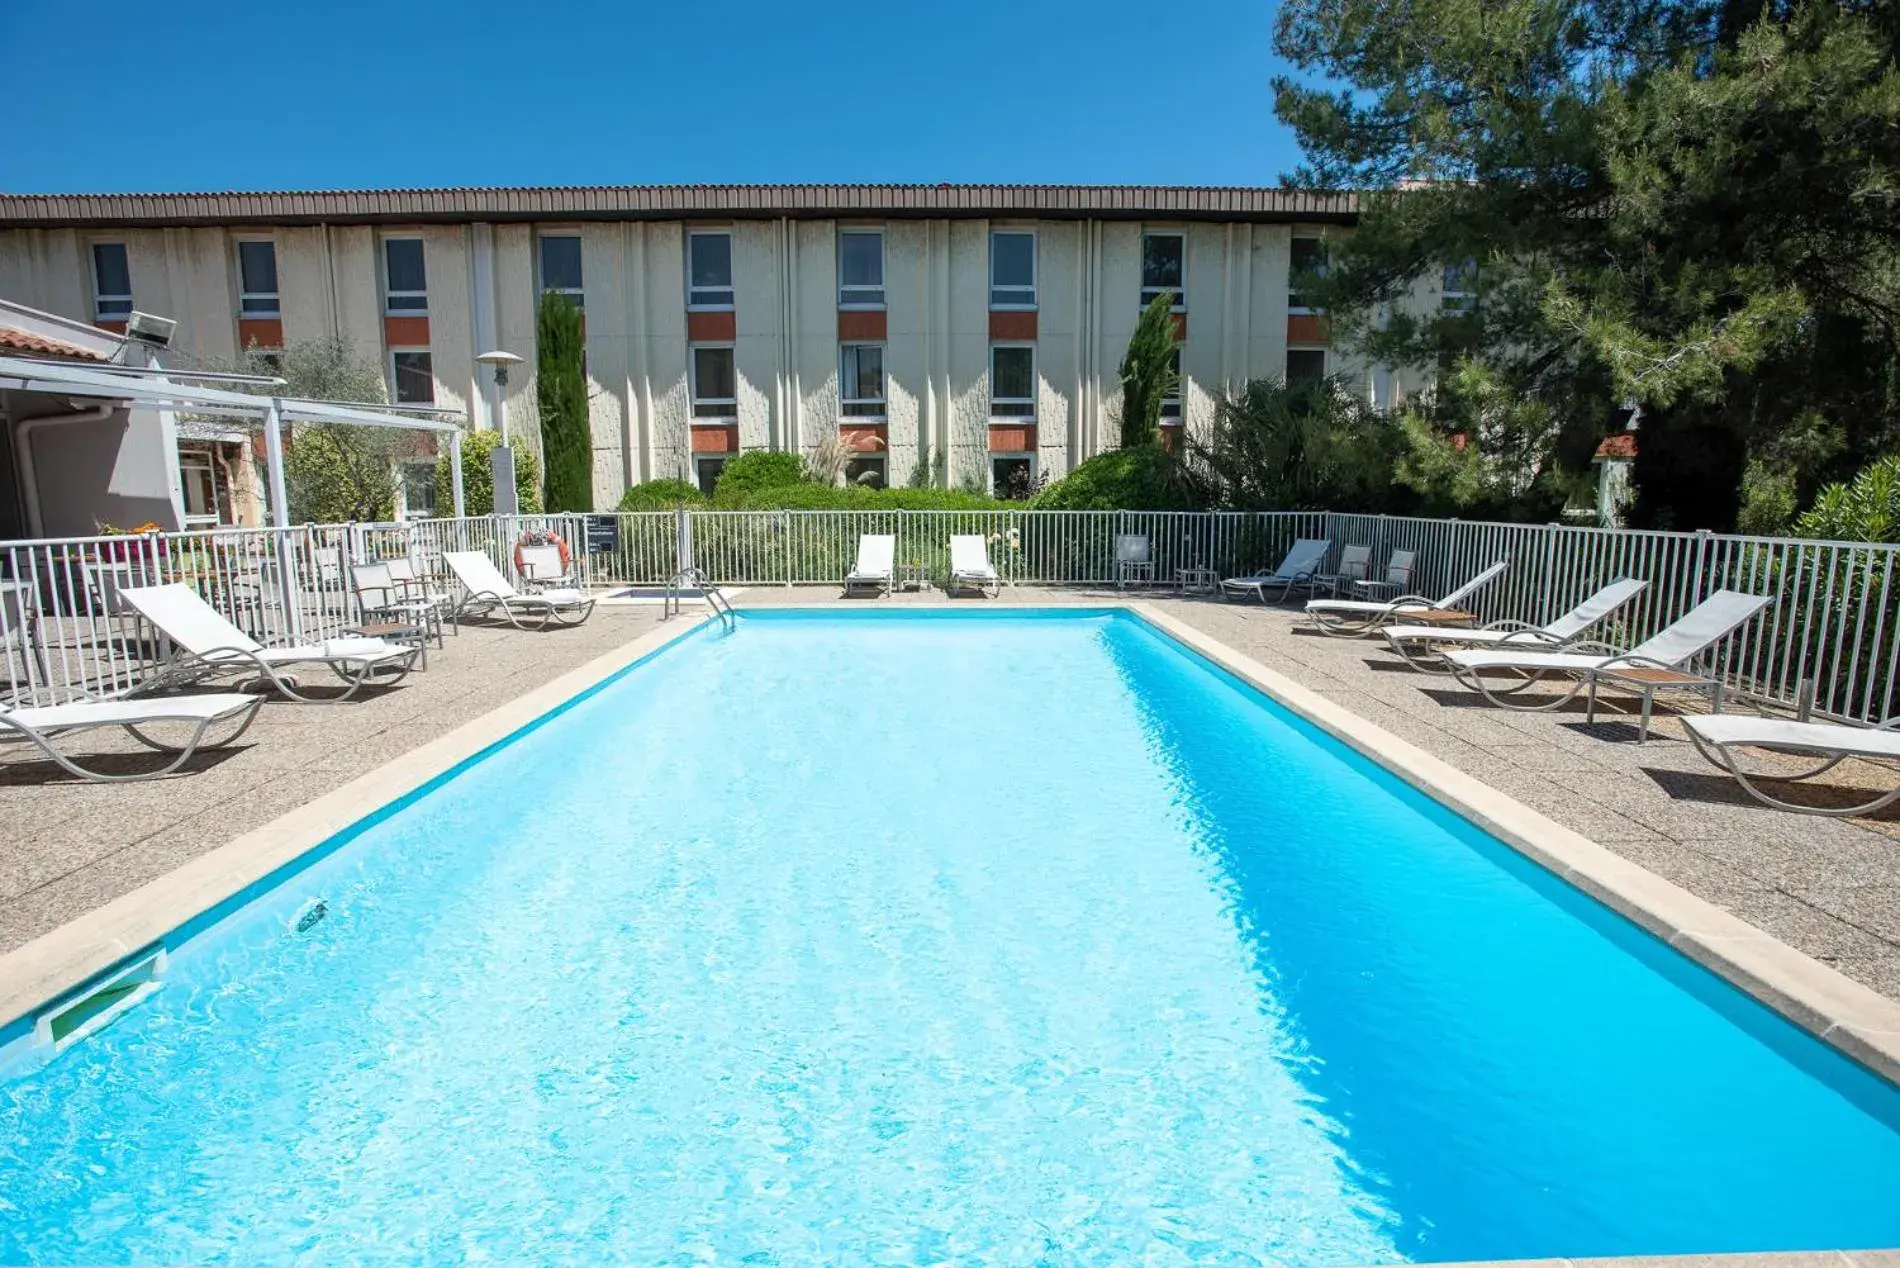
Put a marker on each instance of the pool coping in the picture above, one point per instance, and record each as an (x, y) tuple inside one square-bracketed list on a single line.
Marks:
[(1855, 1019), (63, 960)]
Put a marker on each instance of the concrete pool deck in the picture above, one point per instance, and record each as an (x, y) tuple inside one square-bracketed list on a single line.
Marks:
[(1824, 887)]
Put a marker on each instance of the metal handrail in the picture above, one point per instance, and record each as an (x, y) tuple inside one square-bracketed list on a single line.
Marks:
[(698, 580)]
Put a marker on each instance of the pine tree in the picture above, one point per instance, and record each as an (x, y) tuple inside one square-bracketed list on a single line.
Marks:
[(561, 391), (1148, 373)]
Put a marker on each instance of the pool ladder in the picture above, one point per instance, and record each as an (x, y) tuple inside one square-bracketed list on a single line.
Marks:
[(696, 578)]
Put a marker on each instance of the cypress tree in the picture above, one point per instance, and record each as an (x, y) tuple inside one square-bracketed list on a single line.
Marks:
[(561, 389)]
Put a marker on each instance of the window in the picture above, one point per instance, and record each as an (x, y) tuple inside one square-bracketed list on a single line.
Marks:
[(1461, 287), (1308, 259), (416, 480), (561, 267), (715, 384), (867, 471), (414, 374), (1171, 403), (861, 380), (1013, 476), (1164, 268), (1012, 269), (861, 268), (1012, 381), (708, 269), (1305, 365), (257, 278), (111, 282), (405, 282), (706, 473)]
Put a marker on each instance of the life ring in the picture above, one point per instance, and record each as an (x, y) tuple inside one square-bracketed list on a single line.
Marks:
[(542, 537)]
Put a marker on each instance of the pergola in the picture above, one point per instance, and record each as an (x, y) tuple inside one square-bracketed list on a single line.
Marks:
[(163, 389)]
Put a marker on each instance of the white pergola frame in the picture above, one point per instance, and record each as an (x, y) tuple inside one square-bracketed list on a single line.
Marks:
[(152, 387)]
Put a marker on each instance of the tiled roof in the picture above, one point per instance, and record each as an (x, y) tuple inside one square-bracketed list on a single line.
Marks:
[(1622, 446), (673, 202), (26, 341)]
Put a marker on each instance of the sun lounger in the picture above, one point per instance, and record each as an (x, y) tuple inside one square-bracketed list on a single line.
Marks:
[(970, 566), (206, 646), (1424, 646), (1302, 561), (1718, 736), (40, 725), (1649, 667), (877, 564), (1352, 617), (486, 591)]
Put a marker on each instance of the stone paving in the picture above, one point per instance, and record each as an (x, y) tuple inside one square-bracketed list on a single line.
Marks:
[(71, 847), (1827, 887)]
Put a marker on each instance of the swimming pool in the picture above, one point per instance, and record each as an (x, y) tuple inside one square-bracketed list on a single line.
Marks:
[(989, 936)]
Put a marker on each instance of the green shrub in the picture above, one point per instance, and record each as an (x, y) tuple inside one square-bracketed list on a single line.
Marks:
[(662, 495), (1146, 478), (857, 497), (750, 473), (1868, 510), (478, 482)]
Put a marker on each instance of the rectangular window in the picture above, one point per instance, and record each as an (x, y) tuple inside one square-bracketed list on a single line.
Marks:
[(1013, 476), (860, 268), (861, 380), (1307, 259), (1164, 268), (1012, 269), (111, 282), (1305, 365), (414, 376), (706, 473), (405, 281), (1012, 381), (1171, 404), (418, 490), (1461, 287), (867, 471), (708, 269), (561, 267), (715, 382), (257, 279)]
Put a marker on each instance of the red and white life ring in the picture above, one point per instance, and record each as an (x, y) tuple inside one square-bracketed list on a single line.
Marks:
[(541, 537)]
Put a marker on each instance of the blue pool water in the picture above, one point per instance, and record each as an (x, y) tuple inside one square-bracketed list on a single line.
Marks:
[(1001, 938)]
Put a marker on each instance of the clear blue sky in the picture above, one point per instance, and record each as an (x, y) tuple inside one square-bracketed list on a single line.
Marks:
[(215, 94)]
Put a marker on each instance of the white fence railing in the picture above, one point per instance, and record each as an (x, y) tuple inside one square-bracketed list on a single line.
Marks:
[(1832, 630)]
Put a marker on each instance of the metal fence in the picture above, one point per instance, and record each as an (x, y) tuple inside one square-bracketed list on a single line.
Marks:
[(1832, 628)]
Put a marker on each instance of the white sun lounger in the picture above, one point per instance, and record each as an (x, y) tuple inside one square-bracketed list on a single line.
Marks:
[(1691, 634), (206, 645), (486, 590), (1424, 645), (877, 564), (1302, 561), (970, 565), (39, 725), (1716, 737), (1351, 617)]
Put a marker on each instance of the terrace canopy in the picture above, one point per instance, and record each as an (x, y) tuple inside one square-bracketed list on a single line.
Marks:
[(176, 392)]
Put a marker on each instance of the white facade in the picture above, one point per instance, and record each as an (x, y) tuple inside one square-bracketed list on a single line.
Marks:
[(785, 325)]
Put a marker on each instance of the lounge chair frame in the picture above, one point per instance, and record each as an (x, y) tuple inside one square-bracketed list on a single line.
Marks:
[(1331, 617), (1280, 576), (523, 611), (1720, 753), (14, 729), (988, 583), (1425, 652)]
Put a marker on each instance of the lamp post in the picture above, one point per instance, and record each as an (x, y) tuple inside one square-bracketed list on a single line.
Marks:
[(501, 459)]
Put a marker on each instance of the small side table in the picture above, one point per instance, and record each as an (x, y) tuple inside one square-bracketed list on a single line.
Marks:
[(1647, 680), (1196, 580), (913, 576), (408, 632), (1436, 618)]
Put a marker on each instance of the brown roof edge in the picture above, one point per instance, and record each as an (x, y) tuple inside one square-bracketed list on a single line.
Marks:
[(677, 202)]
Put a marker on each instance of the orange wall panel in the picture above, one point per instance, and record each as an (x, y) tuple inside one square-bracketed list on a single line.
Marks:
[(405, 332), (264, 332), (1307, 328), (864, 439), (1012, 438), (1013, 326), (722, 438), (712, 327), (856, 326)]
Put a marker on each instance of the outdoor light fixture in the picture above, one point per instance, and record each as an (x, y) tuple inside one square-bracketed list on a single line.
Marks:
[(501, 460)]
